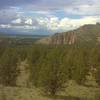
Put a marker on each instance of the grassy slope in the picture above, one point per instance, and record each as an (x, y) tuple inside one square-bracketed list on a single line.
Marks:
[(73, 91)]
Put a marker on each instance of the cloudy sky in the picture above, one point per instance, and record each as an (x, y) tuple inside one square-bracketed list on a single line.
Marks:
[(47, 16)]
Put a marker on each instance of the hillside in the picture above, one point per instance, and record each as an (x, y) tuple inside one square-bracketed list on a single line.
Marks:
[(86, 33), (42, 72)]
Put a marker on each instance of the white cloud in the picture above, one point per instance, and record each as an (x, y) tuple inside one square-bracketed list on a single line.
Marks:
[(64, 24), (29, 21), (68, 23), (51, 23), (22, 22), (30, 27), (24, 27), (17, 21), (5, 26), (40, 12)]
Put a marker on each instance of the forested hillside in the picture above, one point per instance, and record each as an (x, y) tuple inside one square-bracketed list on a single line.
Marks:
[(51, 67)]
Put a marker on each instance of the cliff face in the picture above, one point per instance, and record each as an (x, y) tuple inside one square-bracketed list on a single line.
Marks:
[(86, 33), (60, 38), (64, 38)]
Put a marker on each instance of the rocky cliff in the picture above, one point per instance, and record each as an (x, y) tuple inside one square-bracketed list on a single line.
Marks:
[(86, 33)]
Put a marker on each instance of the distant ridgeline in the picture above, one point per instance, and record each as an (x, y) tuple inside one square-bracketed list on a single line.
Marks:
[(86, 33)]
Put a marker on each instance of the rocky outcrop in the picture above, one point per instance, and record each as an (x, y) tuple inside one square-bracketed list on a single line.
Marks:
[(69, 38), (86, 33)]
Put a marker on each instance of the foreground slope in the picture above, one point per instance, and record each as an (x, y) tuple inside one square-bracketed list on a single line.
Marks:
[(22, 93)]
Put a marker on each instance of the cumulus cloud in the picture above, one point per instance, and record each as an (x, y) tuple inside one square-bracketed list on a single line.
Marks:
[(17, 21), (74, 23), (49, 23), (24, 27), (23, 21), (52, 24), (5, 26), (29, 21), (64, 24)]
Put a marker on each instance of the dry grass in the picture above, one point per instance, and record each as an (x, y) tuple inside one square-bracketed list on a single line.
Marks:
[(72, 92), (17, 93)]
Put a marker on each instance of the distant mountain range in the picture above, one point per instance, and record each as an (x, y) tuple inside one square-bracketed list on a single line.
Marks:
[(19, 39), (86, 33), (11, 35)]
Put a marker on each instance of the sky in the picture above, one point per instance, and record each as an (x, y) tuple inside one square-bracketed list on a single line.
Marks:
[(45, 17)]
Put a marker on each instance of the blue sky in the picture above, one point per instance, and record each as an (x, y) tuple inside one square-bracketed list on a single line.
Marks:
[(47, 16)]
